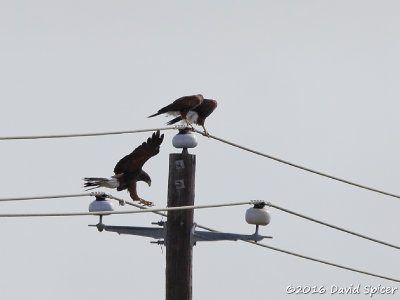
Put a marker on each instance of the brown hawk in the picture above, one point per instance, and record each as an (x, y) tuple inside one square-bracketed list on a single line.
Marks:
[(181, 107), (199, 114), (128, 170)]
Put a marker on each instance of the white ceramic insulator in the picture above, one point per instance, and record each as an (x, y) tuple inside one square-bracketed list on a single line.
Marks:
[(184, 140), (257, 216), (99, 206)]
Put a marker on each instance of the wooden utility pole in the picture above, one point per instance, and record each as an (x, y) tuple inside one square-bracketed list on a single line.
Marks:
[(181, 183)]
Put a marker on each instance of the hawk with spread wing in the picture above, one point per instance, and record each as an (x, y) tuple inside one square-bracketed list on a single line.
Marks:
[(181, 107), (199, 114), (128, 170)]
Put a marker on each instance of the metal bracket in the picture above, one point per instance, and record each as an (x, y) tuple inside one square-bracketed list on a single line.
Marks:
[(153, 232), (207, 236), (195, 235)]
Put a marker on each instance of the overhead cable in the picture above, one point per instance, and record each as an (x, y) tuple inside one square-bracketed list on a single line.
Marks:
[(332, 226), (323, 262), (293, 213), (213, 137), (301, 167), (159, 211), (83, 134), (46, 197), (286, 251), (74, 214), (121, 201)]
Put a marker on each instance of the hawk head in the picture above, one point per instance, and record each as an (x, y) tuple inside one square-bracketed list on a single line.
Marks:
[(143, 176)]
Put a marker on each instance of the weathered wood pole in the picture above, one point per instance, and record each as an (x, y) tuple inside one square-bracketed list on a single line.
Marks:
[(181, 186)]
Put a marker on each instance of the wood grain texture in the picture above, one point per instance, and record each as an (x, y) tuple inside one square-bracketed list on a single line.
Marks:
[(181, 192)]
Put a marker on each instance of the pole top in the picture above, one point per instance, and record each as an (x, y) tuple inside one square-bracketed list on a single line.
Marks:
[(184, 139)]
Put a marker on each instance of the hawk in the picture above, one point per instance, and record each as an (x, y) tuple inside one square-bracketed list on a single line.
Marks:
[(181, 107), (128, 170), (199, 114)]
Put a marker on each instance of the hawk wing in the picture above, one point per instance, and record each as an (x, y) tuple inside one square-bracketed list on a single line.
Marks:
[(206, 108), (185, 103), (135, 160), (203, 110)]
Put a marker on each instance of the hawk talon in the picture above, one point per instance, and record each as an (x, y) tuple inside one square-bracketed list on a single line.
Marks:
[(189, 124), (146, 203), (206, 132)]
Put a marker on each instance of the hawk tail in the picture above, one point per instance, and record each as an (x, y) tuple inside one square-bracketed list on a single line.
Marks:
[(163, 110), (96, 182), (156, 114), (173, 121)]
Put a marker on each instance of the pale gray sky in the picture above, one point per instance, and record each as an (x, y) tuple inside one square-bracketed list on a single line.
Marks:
[(312, 82)]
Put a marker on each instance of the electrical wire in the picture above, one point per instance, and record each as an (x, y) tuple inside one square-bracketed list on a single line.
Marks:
[(73, 214), (301, 167), (286, 251), (213, 137), (121, 201), (159, 211), (323, 262), (84, 134), (290, 212), (332, 226), (47, 197)]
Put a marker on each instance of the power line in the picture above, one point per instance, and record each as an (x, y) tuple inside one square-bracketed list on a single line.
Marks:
[(83, 134), (332, 226), (75, 214), (121, 201), (323, 262), (207, 206), (290, 212), (159, 212), (213, 137), (284, 251), (301, 167), (47, 197)]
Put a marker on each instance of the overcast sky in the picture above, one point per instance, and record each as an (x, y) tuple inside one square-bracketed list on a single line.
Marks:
[(312, 82)]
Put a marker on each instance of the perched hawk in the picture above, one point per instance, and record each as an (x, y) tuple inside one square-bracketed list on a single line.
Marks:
[(129, 169), (181, 107), (199, 114)]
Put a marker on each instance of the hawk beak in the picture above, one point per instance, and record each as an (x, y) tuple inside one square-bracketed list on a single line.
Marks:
[(149, 182)]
